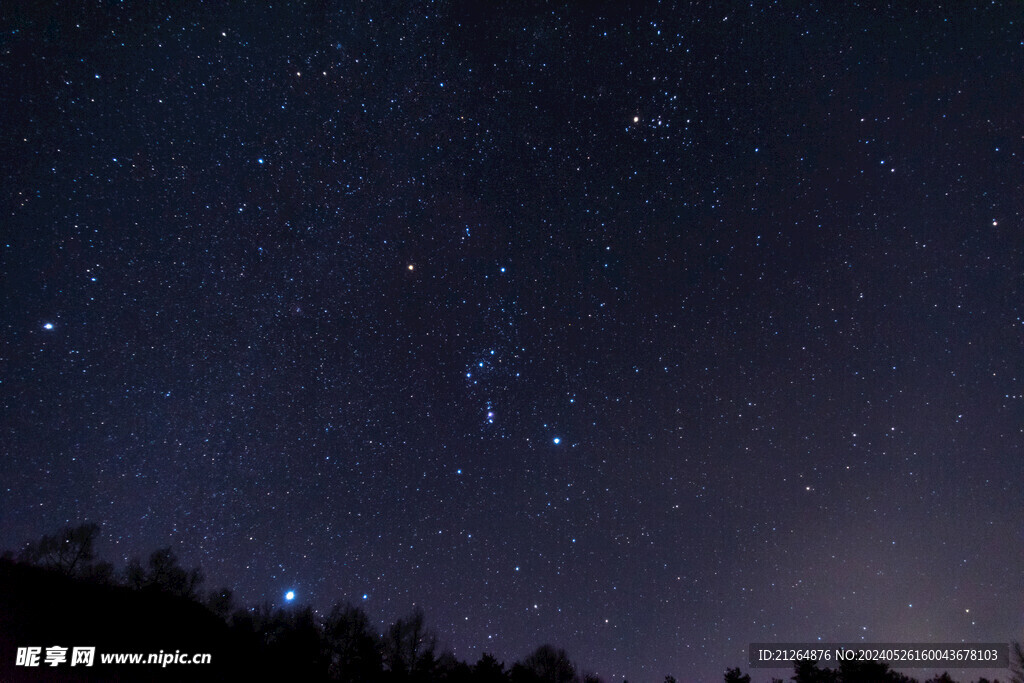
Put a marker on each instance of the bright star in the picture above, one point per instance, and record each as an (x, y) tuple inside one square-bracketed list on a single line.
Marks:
[(289, 596), (557, 440), (48, 326)]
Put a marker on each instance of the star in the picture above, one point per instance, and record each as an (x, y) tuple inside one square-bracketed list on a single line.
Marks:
[(48, 326), (289, 596)]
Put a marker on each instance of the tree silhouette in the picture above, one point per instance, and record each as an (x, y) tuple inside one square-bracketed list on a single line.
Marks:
[(1016, 662), (409, 648), (489, 670), (221, 602), (858, 671), (944, 677), (450, 669), (547, 665), (293, 642), (354, 649), (868, 671), (163, 573), (70, 551), (300, 645), (736, 676)]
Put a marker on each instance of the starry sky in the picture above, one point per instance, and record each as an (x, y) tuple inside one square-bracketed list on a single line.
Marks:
[(646, 329)]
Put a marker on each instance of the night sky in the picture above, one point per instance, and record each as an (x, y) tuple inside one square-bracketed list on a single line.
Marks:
[(647, 332)]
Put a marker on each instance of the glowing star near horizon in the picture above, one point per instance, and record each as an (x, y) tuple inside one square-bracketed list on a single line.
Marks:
[(289, 596)]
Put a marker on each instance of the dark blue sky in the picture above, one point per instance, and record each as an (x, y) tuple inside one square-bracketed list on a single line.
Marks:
[(648, 332)]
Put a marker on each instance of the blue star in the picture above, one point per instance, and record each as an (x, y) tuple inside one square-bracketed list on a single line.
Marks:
[(48, 326), (289, 596), (557, 440)]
